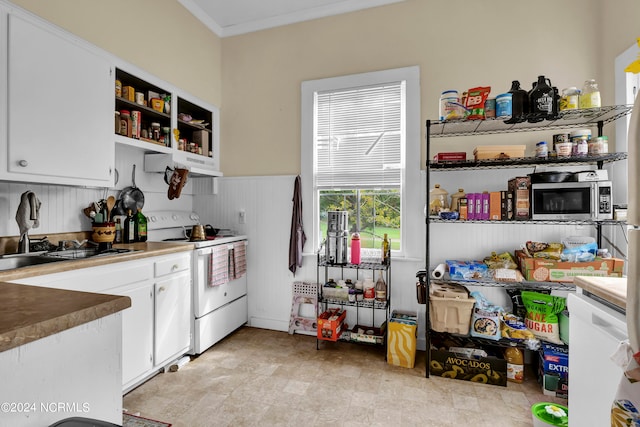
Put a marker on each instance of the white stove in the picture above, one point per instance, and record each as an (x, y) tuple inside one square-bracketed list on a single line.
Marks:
[(218, 273), (172, 226)]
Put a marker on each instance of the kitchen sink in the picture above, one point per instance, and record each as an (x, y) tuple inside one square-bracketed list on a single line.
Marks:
[(12, 261), (9, 262), (86, 253)]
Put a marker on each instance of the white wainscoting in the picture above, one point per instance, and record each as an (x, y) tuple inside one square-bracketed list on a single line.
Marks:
[(267, 203)]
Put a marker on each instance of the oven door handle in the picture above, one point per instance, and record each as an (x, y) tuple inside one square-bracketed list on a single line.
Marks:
[(203, 251)]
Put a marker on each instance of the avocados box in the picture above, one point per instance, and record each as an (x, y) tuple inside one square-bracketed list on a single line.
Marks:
[(549, 270), (485, 370)]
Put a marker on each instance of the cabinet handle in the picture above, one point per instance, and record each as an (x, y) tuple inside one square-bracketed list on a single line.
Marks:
[(175, 267), (23, 163), (161, 289)]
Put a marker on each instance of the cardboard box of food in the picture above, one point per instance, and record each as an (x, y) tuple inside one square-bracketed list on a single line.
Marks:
[(520, 188), (450, 156), (548, 270), (553, 370), (330, 324), (497, 152), (486, 370)]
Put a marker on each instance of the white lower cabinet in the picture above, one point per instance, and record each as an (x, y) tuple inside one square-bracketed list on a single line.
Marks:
[(137, 333), (172, 317), (156, 329)]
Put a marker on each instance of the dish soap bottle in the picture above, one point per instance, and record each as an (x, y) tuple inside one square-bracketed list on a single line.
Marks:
[(129, 228), (140, 227)]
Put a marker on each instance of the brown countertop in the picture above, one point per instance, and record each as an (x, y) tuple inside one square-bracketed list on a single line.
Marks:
[(611, 289), (28, 313)]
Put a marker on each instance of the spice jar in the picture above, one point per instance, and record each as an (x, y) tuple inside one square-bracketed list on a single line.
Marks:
[(155, 131), (125, 123)]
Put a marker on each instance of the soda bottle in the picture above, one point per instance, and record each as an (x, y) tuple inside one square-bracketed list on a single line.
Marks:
[(140, 227)]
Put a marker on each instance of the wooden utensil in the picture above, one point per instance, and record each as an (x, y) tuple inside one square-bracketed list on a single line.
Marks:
[(111, 202)]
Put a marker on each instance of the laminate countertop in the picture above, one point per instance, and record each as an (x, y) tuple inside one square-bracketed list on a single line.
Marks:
[(611, 289), (29, 313)]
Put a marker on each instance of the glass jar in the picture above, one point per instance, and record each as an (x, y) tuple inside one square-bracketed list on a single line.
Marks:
[(570, 98), (155, 131), (437, 200), (590, 95)]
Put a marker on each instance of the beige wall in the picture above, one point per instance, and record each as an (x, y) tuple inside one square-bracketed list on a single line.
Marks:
[(159, 36), (458, 44), (255, 78)]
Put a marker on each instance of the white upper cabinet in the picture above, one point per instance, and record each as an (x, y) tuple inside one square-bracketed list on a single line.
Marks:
[(59, 107)]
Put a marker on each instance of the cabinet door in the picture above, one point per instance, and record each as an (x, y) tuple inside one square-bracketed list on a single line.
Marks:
[(60, 101), (137, 333), (172, 317)]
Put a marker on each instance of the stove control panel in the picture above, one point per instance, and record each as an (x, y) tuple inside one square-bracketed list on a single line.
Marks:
[(170, 219)]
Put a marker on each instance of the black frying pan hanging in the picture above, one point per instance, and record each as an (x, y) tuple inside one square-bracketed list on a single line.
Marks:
[(132, 198)]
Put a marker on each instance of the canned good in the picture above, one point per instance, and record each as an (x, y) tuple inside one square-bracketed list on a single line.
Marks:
[(504, 105), (118, 88), (490, 108), (140, 98)]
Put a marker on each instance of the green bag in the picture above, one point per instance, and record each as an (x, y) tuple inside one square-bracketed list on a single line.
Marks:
[(542, 315)]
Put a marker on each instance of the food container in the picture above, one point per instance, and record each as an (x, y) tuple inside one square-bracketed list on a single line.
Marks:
[(450, 308), (103, 232), (504, 105), (490, 108), (157, 104), (487, 152), (129, 93), (564, 149)]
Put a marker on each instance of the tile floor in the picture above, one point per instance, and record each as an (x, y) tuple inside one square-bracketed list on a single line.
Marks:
[(258, 377)]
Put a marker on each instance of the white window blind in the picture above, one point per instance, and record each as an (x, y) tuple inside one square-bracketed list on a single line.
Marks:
[(359, 137)]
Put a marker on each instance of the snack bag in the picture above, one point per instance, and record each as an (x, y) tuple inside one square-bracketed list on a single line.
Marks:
[(474, 103), (485, 322), (517, 306), (514, 328), (542, 315)]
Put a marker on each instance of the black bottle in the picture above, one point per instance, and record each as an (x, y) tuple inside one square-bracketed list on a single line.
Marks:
[(519, 103), (541, 101)]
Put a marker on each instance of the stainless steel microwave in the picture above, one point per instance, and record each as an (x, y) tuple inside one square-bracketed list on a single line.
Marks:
[(572, 201)]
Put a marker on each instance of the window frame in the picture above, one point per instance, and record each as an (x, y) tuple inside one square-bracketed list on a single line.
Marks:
[(412, 197)]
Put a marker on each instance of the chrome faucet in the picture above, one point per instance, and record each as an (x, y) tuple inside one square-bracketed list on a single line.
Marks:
[(23, 243), (27, 216)]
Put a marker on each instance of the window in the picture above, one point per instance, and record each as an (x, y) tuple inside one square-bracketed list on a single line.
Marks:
[(360, 133)]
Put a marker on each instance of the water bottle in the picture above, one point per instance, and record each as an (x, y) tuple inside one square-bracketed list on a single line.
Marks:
[(355, 248)]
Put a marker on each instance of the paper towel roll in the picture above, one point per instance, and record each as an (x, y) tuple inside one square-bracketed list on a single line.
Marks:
[(439, 271)]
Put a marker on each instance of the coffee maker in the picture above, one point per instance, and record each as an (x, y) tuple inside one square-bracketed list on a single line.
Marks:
[(336, 247)]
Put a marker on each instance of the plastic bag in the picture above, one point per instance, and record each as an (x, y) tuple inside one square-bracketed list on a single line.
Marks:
[(542, 315), (582, 253), (485, 322), (504, 260)]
